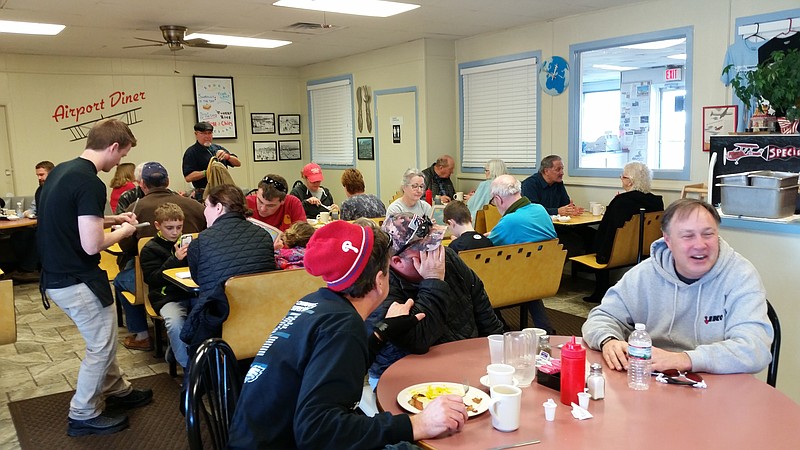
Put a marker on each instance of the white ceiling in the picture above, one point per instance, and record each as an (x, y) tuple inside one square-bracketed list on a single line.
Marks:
[(101, 28)]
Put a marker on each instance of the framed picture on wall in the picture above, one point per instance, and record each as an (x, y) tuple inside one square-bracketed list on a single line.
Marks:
[(366, 148), (263, 123), (718, 120), (288, 150), (289, 124), (265, 151), (214, 104)]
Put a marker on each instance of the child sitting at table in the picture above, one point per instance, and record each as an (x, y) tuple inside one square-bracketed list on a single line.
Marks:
[(164, 251), (295, 239), (459, 219)]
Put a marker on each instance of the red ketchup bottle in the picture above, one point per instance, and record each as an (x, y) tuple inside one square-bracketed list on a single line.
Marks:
[(429, 197), (573, 371)]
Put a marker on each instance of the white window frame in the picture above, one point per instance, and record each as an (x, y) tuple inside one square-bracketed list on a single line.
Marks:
[(331, 130), (576, 101), (499, 112)]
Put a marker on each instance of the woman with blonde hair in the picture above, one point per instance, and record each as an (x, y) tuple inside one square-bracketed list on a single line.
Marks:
[(482, 195), (413, 187), (121, 182)]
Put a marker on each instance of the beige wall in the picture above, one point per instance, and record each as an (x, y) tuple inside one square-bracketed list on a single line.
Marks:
[(31, 87)]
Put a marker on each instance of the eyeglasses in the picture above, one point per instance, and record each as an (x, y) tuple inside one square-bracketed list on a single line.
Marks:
[(673, 376), (416, 186), (622, 177), (277, 184), (422, 226)]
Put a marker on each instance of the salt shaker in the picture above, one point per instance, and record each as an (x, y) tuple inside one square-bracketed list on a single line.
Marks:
[(596, 383), (19, 209), (544, 344)]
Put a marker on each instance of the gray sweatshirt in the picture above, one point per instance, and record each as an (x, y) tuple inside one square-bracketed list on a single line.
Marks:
[(720, 320)]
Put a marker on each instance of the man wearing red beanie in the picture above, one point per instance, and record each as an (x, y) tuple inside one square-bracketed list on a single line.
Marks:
[(307, 378)]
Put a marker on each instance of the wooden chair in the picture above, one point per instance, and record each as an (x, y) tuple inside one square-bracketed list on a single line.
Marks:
[(700, 189), (213, 389), (641, 229), (514, 275), (258, 302), (8, 315)]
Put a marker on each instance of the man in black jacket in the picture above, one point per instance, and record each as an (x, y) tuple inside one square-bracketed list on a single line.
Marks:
[(449, 293)]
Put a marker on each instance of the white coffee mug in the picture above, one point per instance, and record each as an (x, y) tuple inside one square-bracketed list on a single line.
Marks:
[(500, 374), (459, 196), (505, 407), (598, 209), (324, 217)]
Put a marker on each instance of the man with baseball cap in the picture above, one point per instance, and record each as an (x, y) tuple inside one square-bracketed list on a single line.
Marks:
[(196, 157), (308, 375), (449, 293), (315, 198)]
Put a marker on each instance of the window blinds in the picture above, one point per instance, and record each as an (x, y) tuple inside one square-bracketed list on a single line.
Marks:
[(331, 123)]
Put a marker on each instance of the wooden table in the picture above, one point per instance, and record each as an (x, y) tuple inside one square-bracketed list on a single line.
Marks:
[(187, 284), (735, 411), (584, 219), (6, 224)]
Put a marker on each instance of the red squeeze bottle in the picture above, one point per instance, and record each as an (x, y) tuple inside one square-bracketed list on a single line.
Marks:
[(429, 196), (573, 371)]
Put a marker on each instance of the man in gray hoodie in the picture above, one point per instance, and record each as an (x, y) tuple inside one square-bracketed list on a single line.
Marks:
[(704, 304)]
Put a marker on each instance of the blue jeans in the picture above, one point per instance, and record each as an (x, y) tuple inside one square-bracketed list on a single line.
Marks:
[(539, 315), (100, 375), (174, 314), (135, 315)]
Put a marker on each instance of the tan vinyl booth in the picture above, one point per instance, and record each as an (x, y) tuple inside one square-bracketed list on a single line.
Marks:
[(258, 302), (8, 316), (516, 274)]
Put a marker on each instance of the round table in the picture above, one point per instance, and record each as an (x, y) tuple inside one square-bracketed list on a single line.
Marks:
[(735, 411)]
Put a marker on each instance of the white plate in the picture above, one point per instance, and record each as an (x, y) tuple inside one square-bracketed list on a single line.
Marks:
[(475, 397), (485, 381)]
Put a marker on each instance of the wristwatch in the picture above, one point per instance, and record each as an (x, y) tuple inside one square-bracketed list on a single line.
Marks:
[(606, 341)]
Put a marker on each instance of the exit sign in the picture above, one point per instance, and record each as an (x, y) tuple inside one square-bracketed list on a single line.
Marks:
[(673, 74)]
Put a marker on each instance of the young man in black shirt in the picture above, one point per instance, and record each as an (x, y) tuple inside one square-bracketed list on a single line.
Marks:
[(70, 240)]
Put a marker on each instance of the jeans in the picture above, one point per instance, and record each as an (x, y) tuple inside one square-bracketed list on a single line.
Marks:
[(99, 375), (539, 315), (135, 315), (174, 314)]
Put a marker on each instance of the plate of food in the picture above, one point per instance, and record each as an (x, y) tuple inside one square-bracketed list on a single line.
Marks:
[(415, 398)]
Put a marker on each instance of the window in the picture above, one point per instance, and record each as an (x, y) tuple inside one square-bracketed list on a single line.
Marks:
[(499, 112), (331, 122), (631, 102)]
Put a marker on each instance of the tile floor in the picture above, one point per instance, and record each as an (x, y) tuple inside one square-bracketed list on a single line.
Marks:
[(48, 351)]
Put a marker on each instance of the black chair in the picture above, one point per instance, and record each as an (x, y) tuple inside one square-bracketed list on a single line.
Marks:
[(211, 395), (775, 349)]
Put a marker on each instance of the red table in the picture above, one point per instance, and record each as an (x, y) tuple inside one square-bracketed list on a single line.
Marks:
[(735, 411)]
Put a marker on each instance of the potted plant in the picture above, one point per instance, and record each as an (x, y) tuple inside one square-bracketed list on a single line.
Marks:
[(776, 80)]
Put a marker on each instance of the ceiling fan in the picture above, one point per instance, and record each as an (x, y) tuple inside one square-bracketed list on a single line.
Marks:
[(174, 39)]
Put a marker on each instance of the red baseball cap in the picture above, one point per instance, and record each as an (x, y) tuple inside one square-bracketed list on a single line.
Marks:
[(312, 172)]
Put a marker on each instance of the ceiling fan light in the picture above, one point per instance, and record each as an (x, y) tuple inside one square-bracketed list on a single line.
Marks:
[(372, 8), (46, 29), (237, 41)]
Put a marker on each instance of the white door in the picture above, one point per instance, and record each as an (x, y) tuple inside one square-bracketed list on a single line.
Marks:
[(7, 183), (395, 108)]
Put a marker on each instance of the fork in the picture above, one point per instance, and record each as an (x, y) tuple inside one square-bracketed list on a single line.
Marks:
[(465, 387)]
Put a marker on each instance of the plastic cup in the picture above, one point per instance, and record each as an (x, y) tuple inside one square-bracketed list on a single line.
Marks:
[(583, 400), (500, 374), (496, 348), (549, 411)]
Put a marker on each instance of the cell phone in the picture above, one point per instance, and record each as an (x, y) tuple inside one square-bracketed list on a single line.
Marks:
[(185, 239)]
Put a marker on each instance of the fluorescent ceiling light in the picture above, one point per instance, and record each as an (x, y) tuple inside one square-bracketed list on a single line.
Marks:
[(656, 45), (373, 8), (237, 41), (7, 26), (678, 56), (612, 67)]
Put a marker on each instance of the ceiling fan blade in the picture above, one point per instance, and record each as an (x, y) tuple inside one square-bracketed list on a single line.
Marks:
[(203, 44), (144, 45), (150, 40)]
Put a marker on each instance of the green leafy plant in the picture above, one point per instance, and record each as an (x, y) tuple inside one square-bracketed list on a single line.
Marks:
[(776, 80)]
